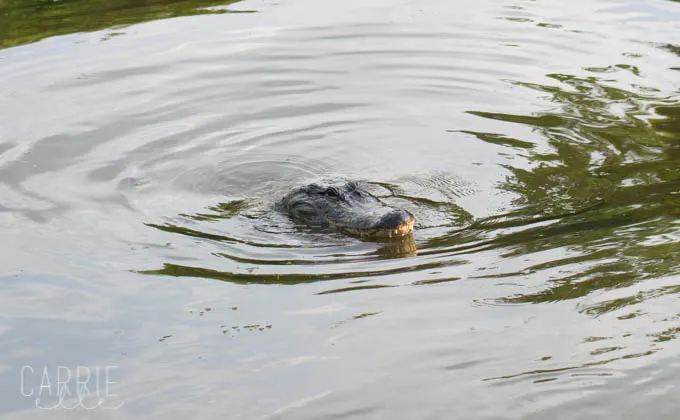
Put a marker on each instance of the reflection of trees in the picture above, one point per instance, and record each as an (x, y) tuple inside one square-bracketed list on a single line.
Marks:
[(675, 49), (608, 189), (26, 21)]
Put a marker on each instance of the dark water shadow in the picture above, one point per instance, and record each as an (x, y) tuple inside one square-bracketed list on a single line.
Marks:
[(176, 270)]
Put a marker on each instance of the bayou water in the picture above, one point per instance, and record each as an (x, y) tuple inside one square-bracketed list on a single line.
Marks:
[(143, 145)]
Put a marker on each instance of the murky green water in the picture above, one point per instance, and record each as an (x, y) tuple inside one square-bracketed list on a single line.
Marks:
[(143, 145)]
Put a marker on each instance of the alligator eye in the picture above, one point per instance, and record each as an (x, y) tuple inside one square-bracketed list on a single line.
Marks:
[(332, 192)]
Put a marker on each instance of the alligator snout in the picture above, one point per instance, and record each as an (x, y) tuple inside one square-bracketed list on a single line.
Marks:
[(346, 206), (397, 223)]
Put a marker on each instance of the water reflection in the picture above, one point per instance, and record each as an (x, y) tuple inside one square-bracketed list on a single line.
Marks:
[(26, 21), (607, 189), (398, 248)]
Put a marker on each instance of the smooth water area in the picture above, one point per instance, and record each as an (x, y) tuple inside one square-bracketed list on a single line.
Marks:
[(143, 145)]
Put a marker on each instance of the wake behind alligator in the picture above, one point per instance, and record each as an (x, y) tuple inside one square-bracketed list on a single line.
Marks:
[(347, 206)]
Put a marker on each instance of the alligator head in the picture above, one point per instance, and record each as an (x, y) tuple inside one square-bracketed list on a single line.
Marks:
[(348, 207)]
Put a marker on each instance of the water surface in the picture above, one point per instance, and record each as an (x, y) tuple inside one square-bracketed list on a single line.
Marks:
[(537, 143)]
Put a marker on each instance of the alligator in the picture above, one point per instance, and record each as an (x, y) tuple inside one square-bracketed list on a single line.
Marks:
[(347, 206)]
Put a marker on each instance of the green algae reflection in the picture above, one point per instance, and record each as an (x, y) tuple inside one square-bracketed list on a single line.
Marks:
[(609, 185), (26, 21)]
